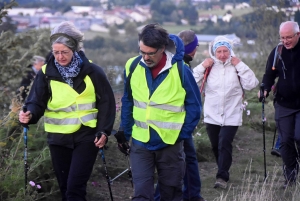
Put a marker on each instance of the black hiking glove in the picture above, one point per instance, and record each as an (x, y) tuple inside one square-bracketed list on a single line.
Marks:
[(262, 91), (123, 145)]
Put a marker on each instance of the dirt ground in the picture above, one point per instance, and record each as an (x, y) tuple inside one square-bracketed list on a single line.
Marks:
[(247, 151)]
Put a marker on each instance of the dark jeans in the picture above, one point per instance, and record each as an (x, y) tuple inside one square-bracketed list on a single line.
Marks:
[(288, 124), (221, 138), (170, 166), (191, 181), (73, 168)]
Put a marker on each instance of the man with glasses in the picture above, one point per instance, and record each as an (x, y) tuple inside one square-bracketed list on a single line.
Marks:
[(192, 182), (161, 109), (287, 98)]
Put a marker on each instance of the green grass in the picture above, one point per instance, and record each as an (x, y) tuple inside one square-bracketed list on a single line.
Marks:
[(89, 35), (175, 29), (235, 12)]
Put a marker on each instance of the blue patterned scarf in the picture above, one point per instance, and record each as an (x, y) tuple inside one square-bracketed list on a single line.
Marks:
[(71, 71)]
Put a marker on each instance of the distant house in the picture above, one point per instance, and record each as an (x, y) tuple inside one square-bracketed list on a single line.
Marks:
[(204, 17), (206, 39), (216, 7), (228, 6), (112, 17), (227, 17), (22, 22), (83, 10), (137, 17), (242, 5), (21, 11), (56, 20)]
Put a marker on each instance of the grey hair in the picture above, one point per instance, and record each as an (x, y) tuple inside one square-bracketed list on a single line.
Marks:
[(294, 24), (67, 34), (37, 58), (187, 36)]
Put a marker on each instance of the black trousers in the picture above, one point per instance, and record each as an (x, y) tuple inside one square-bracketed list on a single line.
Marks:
[(73, 168), (288, 125), (221, 138)]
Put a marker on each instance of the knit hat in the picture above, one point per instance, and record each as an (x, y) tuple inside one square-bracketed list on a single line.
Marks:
[(189, 48), (221, 41)]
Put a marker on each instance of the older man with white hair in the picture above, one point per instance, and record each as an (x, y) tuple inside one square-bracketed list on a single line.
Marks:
[(287, 97)]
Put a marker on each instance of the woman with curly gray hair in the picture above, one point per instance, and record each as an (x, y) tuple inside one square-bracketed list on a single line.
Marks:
[(77, 103)]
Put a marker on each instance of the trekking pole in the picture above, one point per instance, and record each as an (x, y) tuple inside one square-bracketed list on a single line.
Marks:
[(25, 129), (118, 175), (129, 171), (124, 147), (262, 100), (106, 174), (274, 137)]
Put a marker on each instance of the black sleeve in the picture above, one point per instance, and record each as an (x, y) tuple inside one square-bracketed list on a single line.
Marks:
[(270, 74), (105, 101), (38, 97), (25, 83)]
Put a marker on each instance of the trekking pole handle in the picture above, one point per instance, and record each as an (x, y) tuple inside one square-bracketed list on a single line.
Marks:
[(261, 94), (24, 108)]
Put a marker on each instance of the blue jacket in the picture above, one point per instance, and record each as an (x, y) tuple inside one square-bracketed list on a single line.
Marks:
[(192, 101)]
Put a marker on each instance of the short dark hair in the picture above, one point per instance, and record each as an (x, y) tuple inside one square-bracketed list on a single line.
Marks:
[(154, 36), (187, 36)]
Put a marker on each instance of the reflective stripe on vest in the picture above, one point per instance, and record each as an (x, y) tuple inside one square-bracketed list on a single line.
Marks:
[(71, 121), (74, 107), (68, 110), (164, 111)]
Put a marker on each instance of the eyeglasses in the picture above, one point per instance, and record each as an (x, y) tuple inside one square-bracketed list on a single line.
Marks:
[(150, 54), (287, 38), (63, 53)]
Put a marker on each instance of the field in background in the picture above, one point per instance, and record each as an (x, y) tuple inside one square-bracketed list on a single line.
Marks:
[(235, 12)]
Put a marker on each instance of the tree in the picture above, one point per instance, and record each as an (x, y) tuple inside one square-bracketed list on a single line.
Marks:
[(8, 25), (4, 6), (131, 29), (297, 16), (189, 12), (113, 31)]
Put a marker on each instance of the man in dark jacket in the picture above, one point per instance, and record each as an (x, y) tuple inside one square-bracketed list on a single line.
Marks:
[(192, 182), (190, 42), (287, 99), (31, 71)]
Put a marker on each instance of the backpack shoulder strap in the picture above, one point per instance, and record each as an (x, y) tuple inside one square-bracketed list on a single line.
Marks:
[(277, 55), (131, 70), (180, 67)]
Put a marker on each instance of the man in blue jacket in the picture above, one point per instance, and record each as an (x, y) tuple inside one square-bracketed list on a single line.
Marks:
[(191, 181), (161, 107)]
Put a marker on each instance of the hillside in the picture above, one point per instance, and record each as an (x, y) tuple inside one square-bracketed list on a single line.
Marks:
[(246, 180)]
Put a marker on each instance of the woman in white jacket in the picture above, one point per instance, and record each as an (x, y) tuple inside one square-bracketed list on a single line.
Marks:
[(223, 101)]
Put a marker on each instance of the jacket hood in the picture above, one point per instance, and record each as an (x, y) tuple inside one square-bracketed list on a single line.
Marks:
[(221, 39), (176, 47)]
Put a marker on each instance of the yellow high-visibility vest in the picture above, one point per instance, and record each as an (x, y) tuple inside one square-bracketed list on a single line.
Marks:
[(67, 110), (164, 111)]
